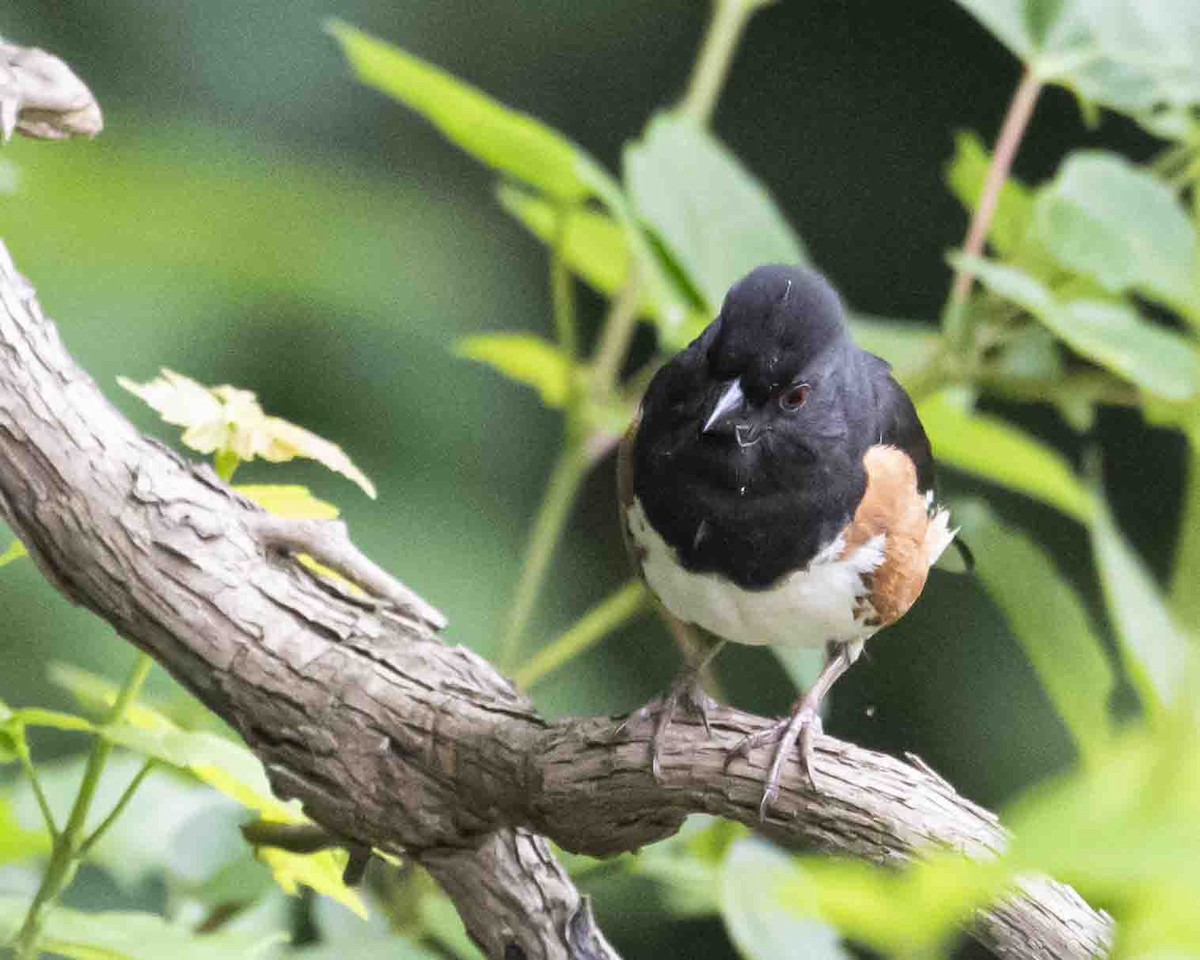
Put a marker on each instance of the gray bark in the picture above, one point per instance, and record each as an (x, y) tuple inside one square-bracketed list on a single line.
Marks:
[(392, 738)]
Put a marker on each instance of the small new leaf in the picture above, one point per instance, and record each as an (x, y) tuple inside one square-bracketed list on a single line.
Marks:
[(526, 358), (226, 419)]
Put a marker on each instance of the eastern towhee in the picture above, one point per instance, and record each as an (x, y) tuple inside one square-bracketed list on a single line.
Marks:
[(777, 488)]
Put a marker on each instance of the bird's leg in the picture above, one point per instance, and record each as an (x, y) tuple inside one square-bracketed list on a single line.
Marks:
[(686, 691), (804, 724)]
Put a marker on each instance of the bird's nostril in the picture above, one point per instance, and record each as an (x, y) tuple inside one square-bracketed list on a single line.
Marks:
[(746, 434)]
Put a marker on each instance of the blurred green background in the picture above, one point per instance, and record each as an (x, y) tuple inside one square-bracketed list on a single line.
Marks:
[(253, 216)]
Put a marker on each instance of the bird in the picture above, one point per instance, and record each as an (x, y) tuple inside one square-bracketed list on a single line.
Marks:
[(776, 487)]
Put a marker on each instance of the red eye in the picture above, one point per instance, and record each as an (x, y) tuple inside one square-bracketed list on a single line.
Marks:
[(794, 398)]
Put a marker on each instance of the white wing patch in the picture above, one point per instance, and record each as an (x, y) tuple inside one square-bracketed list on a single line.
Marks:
[(820, 604)]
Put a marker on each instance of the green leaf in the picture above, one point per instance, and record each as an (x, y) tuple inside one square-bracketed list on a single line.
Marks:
[(511, 142), (1153, 648), (596, 246), (913, 912), (965, 175), (237, 773), (288, 500), (1113, 335), (227, 766), (988, 448), (129, 936), (373, 947), (97, 695), (1107, 218), (754, 880), (1141, 57), (15, 551), (688, 865), (16, 842), (441, 922), (1123, 827), (909, 347), (1048, 618), (716, 220), (523, 357)]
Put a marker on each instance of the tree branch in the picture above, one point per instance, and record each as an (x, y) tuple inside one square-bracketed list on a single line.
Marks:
[(391, 738)]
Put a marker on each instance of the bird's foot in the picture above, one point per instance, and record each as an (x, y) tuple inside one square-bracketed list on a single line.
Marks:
[(685, 694), (804, 725)]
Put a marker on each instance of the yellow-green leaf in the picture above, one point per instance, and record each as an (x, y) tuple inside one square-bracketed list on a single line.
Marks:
[(227, 419), (16, 842), (321, 871), (292, 500), (15, 551), (988, 448), (505, 139), (523, 357)]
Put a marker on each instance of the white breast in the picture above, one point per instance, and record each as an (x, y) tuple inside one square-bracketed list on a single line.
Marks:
[(810, 607)]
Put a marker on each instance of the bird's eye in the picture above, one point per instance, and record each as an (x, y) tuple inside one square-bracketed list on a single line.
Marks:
[(794, 398)]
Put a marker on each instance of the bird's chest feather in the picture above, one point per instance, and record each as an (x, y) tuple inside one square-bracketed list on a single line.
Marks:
[(825, 601)]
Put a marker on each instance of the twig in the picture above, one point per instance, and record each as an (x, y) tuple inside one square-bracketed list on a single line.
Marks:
[(1020, 109), (328, 542)]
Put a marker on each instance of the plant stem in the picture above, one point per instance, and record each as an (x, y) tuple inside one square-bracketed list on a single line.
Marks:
[(618, 330), (1016, 120), (557, 501), (613, 611), (716, 57), (31, 775), (562, 294), (117, 810), (65, 854)]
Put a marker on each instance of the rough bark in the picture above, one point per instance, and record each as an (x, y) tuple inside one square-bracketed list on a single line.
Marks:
[(390, 737)]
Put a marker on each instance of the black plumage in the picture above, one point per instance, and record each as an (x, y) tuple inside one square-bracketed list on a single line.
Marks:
[(756, 502)]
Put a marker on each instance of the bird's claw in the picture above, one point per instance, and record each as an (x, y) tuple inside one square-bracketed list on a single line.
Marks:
[(802, 727), (685, 694)]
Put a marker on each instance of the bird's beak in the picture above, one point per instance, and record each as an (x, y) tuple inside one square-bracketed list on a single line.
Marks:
[(729, 416)]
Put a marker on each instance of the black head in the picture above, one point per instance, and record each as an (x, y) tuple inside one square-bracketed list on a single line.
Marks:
[(774, 321), (748, 458)]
